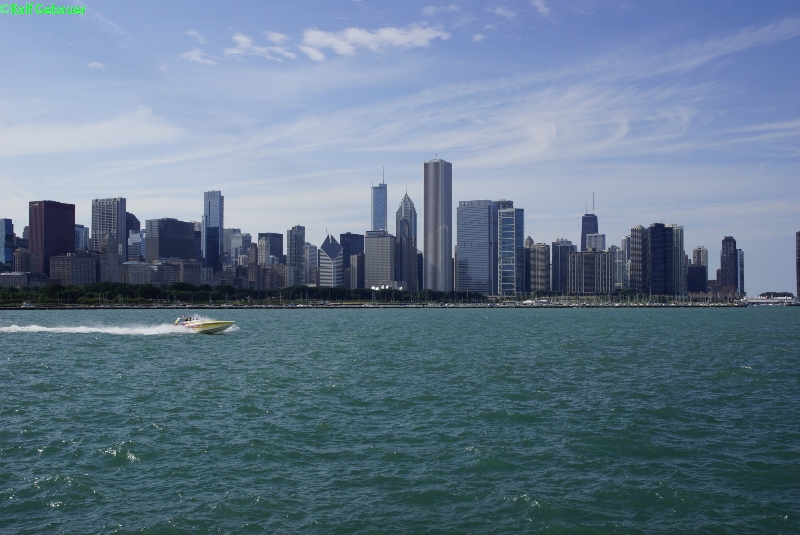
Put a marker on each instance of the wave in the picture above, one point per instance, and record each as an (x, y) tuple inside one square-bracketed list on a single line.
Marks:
[(139, 330)]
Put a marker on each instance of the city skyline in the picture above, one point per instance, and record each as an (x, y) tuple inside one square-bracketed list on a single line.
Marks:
[(680, 113)]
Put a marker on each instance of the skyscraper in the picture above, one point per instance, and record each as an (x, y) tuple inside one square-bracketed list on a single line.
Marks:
[(540, 267), (588, 226), (311, 264), (729, 267), (379, 249), (660, 260), (132, 224), (240, 246), (352, 244), (6, 243), (700, 256), (379, 207), (476, 223), (596, 241), (108, 218), (169, 238), (52, 232), (82, 240), (678, 256), (561, 248), (639, 262), (797, 264), (405, 257), (330, 263), (438, 209), (510, 251), (740, 269), (269, 244), (295, 256), (212, 229)]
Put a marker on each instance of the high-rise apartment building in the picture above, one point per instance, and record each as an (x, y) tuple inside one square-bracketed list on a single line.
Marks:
[(331, 260), (596, 242), (476, 224), (213, 223), (226, 244), (168, 238), (797, 264), (6, 244), (729, 266), (240, 246), (510, 251), (405, 257), (379, 207), (108, 218), (540, 267), (588, 226), (660, 267), (740, 273), (52, 232), (591, 272), (295, 256), (561, 248), (379, 251), (82, 240), (638, 267), (438, 209), (678, 259), (311, 264)]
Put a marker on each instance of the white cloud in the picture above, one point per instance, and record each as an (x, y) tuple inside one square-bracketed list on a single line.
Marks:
[(430, 11), (277, 38), (348, 40), (313, 53), (503, 12), (109, 26), (477, 38), (246, 47), (541, 7), (200, 38), (96, 65), (199, 56), (137, 128)]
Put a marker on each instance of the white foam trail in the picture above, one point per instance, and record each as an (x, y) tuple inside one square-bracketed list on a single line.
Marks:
[(85, 329)]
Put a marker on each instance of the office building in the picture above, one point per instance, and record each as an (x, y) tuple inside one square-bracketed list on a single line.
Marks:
[(588, 226), (311, 264), (591, 272), (561, 248), (213, 223), (109, 260), (438, 202), (131, 223), (678, 260), (22, 280), (73, 269), (23, 261), (82, 240), (52, 232), (136, 273), (729, 267), (295, 256), (596, 241), (226, 244), (6, 244), (797, 264), (352, 244), (136, 245), (379, 207), (740, 273), (379, 251), (697, 279), (406, 245), (240, 246), (620, 267), (331, 260), (540, 267), (168, 238), (660, 266), (638, 262), (108, 217), (270, 244), (625, 245), (476, 268), (357, 267), (510, 251), (700, 256)]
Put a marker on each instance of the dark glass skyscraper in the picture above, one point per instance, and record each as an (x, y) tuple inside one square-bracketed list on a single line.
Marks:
[(169, 238), (797, 264), (52, 232), (729, 266), (295, 256), (588, 226), (561, 248), (212, 229), (476, 224), (660, 260), (6, 243), (438, 209), (405, 256)]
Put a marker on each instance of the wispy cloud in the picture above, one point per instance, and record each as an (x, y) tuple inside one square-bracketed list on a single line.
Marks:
[(276, 38), (246, 47), (96, 65), (430, 11), (137, 128), (477, 38), (541, 7), (502, 12), (347, 41), (199, 56), (200, 38)]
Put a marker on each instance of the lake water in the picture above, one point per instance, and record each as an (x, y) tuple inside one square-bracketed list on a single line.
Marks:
[(402, 421)]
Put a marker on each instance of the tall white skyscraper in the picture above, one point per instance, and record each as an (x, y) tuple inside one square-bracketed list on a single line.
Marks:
[(379, 207), (108, 217), (438, 210), (213, 223), (331, 259)]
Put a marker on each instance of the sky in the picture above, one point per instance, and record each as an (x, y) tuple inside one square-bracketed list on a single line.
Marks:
[(666, 111)]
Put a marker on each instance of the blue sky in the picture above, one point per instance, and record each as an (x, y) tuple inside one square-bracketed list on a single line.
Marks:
[(670, 111)]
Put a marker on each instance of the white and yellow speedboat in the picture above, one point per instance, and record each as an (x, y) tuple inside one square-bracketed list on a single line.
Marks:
[(203, 326)]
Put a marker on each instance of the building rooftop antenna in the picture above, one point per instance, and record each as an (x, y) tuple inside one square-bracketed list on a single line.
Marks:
[(585, 204), (592, 199), (383, 174)]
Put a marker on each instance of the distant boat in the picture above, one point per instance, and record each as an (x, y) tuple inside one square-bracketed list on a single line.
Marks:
[(203, 326)]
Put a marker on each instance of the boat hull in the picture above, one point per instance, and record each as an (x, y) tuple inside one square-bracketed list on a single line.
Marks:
[(208, 327)]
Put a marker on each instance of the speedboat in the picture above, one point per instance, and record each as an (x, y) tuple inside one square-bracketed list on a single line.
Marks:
[(203, 326)]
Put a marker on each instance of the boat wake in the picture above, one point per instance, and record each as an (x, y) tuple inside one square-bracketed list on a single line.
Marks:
[(142, 330)]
